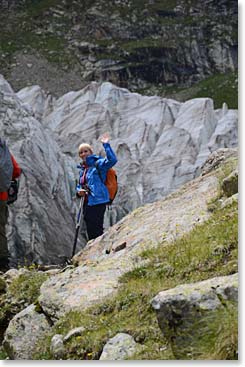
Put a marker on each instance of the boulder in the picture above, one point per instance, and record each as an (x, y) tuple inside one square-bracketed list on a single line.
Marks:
[(57, 346), (230, 184), (186, 313), (120, 347), (23, 331)]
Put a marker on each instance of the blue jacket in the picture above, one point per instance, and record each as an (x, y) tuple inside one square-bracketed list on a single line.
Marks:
[(98, 193)]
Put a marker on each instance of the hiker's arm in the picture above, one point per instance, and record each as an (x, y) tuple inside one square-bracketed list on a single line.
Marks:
[(111, 158)]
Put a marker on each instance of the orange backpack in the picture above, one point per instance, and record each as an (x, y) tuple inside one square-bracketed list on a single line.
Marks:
[(110, 182)]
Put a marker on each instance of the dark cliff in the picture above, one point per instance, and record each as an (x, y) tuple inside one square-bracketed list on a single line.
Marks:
[(162, 47)]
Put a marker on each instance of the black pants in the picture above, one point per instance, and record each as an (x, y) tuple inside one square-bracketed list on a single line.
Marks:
[(94, 219)]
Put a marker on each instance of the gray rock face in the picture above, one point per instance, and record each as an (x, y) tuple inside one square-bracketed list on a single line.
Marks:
[(160, 145), (185, 312), (40, 227), (23, 330)]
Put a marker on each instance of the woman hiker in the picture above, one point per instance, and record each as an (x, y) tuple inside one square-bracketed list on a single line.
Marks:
[(93, 170)]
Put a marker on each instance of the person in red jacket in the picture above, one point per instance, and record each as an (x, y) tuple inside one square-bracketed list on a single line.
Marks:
[(4, 253)]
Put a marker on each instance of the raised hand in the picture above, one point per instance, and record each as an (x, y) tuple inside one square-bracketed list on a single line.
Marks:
[(105, 138)]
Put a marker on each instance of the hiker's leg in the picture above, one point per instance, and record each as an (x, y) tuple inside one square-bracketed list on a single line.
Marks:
[(94, 219), (4, 253)]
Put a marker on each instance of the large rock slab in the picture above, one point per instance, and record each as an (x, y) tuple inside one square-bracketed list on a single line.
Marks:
[(186, 312)]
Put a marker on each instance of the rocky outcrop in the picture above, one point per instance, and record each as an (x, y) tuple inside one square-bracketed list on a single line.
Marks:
[(160, 145), (215, 159), (186, 313)]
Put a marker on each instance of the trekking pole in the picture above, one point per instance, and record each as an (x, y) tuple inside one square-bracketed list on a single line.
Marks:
[(79, 216)]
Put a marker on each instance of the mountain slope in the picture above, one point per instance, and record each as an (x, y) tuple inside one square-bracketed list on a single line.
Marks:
[(147, 46)]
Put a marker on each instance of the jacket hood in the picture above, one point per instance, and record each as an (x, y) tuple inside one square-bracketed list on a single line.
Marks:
[(90, 161)]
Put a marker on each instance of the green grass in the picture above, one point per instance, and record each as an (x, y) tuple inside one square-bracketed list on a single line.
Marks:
[(50, 46), (3, 354), (220, 87), (21, 33), (162, 5), (224, 344), (147, 42), (36, 8), (26, 286), (208, 250)]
